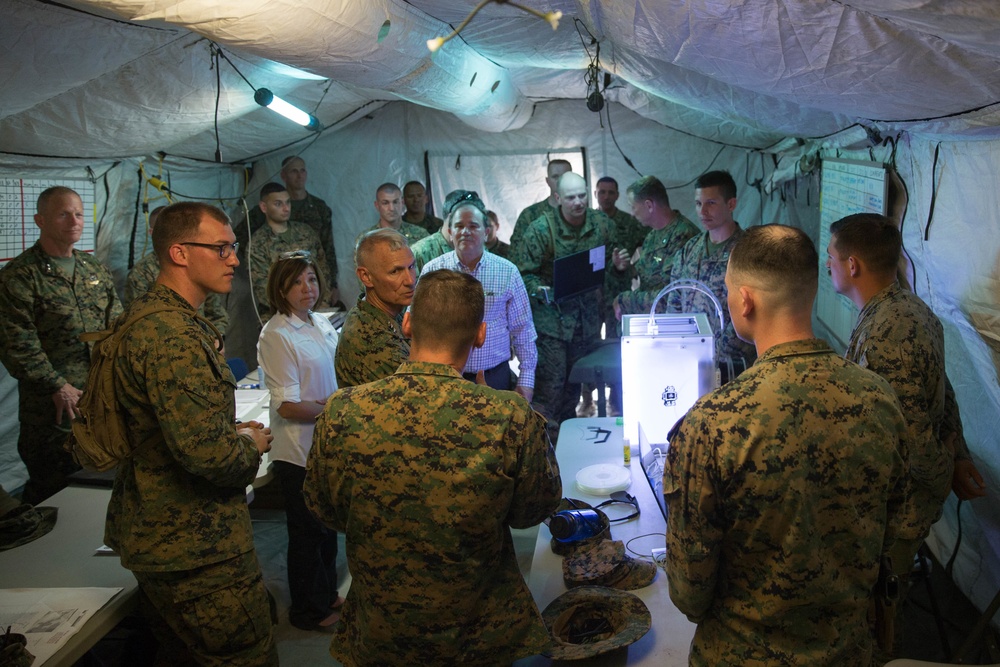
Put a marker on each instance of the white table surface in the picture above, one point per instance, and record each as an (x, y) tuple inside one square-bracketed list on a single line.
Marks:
[(668, 641)]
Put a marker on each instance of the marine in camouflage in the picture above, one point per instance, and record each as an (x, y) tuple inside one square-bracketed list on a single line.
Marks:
[(143, 275), (371, 347), (630, 233), (429, 248), (698, 260), (500, 249), (429, 222), (178, 515), (311, 211), (783, 489), (529, 215), (266, 246), (655, 262), (412, 233), (570, 329), (901, 339), (45, 310), (425, 473)]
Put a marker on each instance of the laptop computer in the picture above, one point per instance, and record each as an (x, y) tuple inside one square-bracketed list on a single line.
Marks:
[(575, 274)]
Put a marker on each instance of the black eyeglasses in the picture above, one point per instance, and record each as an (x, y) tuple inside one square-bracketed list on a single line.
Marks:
[(295, 254), (224, 249)]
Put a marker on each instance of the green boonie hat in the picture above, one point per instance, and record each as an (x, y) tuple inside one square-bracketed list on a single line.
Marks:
[(592, 620), (569, 548), (606, 564)]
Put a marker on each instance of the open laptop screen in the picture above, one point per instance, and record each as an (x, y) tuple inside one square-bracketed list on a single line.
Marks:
[(577, 273)]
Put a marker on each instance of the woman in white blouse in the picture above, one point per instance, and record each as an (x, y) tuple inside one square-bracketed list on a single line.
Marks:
[(296, 350)]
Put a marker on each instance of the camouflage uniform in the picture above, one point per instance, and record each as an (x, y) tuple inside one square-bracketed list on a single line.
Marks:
[(696, 260), (426, 472), (412, 233), (500, 249), (266, 246), (312, 211), (428, 248), (572, 328), (178, 516), (429, 222), (900, 338), (783, 488), (656, 258), (372, 345), (143, 275), (45, 310), (529, 215), (631, 234)]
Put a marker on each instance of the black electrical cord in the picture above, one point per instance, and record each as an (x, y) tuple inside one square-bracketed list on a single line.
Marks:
[(930, 213)]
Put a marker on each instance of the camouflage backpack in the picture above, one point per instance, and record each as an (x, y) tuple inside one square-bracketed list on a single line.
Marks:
[(100, 439)]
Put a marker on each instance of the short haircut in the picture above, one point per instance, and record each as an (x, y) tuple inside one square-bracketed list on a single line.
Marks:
[(492, 217), (718, 179), (284, 162), (51, 193), (447, 309), (872, 238), (557, 163), (608, 179), (179, 222), (416, 183), (651, 188), (282, 274), (368, 241), (779, 259), (271, 188), (387, 187)]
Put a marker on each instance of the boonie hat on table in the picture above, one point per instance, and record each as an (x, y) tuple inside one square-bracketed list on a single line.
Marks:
[(591, 620)]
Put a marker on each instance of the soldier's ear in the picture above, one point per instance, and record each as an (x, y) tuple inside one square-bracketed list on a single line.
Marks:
[(178, 254), (407, 326), (480, 336), (853, 265), (364, 276), (746, 301)]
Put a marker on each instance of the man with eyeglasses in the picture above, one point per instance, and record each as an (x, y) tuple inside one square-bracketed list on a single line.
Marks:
[(280, 235), (178, 517), (49, 295)]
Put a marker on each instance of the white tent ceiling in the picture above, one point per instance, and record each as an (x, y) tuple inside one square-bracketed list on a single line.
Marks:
[(112, 78)]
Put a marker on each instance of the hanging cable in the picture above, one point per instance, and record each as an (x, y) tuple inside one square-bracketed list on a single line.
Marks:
[(218, 95), (930, 213)]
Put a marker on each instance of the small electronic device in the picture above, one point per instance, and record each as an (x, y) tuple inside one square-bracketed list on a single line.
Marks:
[(575, 274)]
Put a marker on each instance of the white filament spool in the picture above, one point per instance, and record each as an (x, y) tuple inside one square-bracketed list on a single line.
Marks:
[(603, 478)]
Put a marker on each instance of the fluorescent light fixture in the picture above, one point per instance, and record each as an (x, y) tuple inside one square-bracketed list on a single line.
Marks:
[(266, 98)]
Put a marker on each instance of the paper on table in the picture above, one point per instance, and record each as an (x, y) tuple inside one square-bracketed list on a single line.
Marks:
[(48, 617)]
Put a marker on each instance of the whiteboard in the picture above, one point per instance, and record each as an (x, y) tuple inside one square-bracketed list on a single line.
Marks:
[(18, 199), (846, 187)]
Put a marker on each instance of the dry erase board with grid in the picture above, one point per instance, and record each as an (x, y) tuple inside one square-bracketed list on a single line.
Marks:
[(847, 186), (18, 198)]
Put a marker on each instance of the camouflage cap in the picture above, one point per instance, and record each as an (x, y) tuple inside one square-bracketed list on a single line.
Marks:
[(606, 564), (592, 620), (569, 548)]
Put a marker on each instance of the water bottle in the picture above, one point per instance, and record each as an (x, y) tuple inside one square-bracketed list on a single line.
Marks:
[(575, 525)]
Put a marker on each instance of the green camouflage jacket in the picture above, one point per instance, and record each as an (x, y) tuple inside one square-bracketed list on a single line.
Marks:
[(430, 223), (180, 501), (899, 337), (546, 239), (428, 248), (312, 211), (784, 487), (144, 274), (656, 259), (694, 262), (527, 216), (44, 312), (425, 473), (372, 345)]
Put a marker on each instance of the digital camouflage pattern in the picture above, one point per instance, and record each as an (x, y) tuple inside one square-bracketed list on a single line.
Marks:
[(529, 215), (899, 337), (428, 248), (145, 272), (630, 233), (500, 249), (311, 211), (371, 347), (783, 489), (572, 328), (656, 259), (45, 310), (620, 619), (180, 501), (697, 261), (425, 473), (266, 246), (429, 222), (605, 563), (412, 233)]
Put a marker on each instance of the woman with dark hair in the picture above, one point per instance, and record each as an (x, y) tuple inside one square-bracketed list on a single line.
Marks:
[(296, 351)]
